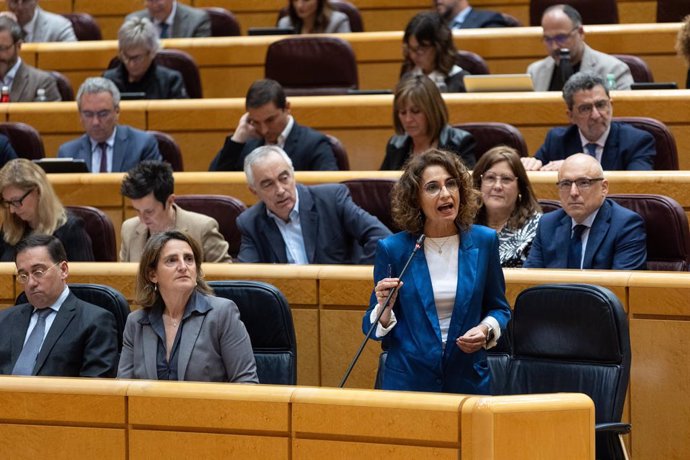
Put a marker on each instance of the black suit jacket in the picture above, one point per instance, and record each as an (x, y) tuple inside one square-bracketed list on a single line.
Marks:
[(308, 149), (82, 341), (483, 18)]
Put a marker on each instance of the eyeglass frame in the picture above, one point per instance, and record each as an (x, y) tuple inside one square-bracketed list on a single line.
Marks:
[(491, 180), (101, 114), (602, 106), (16, 204), (134, 59), (451, 189), (559, 39), (418, 50), (38, 274), (582, 183)]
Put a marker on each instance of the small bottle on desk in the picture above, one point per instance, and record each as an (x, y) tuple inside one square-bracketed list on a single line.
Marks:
[(5, 94), (610, 81), (40, 95)]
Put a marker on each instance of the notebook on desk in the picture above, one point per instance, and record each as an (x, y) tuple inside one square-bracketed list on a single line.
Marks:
[(62, 165), (498, 83)]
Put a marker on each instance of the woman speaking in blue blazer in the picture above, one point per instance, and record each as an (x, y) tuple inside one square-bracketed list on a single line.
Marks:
[(451, 303)]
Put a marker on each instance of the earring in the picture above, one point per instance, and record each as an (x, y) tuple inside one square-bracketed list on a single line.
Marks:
[(519, 196)]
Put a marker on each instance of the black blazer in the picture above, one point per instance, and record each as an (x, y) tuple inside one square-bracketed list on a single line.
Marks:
[(82, 341), (158, 82), (308, 149), (483, 18), (451, 139)]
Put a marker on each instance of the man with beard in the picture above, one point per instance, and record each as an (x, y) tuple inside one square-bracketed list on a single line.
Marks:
[(460, 15), (23, 80)]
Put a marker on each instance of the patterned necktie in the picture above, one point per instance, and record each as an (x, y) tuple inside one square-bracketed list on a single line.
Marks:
[(164, 30), (27, 358), (575, 247), (591, 149), (104, 156)]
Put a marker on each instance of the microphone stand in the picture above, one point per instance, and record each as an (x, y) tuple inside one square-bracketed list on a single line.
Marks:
[(417, 245)]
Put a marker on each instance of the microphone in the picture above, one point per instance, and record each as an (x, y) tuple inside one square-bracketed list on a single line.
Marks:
[(564, 64), (417, 245)]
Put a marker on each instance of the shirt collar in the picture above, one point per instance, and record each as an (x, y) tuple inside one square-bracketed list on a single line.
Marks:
[(110, 141), (461, 16), (59, 301), (601, 142), (589, 220), (286, 132)]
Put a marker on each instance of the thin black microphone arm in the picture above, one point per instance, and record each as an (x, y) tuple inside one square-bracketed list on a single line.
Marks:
[(417, 245)]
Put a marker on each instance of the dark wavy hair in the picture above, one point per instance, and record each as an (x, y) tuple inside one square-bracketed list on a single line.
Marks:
[(527, 205), (429, 29), (323, 15), (405, 207)]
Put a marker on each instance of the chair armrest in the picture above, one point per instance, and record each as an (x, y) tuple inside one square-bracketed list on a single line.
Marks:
[(619, 428)]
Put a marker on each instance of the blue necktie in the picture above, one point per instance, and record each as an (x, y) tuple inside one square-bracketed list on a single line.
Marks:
[(164, 30), (27, 358), (591, 149), (575, 247)]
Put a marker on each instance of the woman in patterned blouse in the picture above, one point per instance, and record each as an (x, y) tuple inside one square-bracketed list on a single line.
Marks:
[(508, 203)]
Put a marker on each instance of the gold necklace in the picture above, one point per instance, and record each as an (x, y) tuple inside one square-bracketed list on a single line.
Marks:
[(439, 247)]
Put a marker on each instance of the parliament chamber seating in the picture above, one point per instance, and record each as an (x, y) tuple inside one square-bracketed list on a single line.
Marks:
[(572, 338), (340, 153), (353, 15), (25, 140), (319, 65), (374, 196), (471, 62), (639, 69), (85, 26), (266, 314), (169, 150), (671, 10), (224, 209), (592, 11), (100, 229), (64, 85), (666, 150), (223, 22), (492, 134)]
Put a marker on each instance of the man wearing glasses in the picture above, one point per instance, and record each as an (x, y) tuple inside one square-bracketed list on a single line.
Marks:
[(55, 333), (590, 231), (562, 29), (616, 145), (107, 146)]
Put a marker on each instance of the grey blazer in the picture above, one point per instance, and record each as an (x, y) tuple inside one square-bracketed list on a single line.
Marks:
[(28, 80), (50, 27), (592, 61), (188, 22), (214, 346), (339, 23), (131, 147)]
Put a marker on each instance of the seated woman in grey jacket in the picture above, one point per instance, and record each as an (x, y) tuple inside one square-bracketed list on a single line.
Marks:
[(314, 17), (182, 331)]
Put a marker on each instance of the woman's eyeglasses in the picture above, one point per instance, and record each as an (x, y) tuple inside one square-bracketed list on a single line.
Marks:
[(16, 203), (434, 188)]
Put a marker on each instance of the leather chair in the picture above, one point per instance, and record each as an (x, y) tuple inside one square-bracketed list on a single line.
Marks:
[(352, 12), (312, 65), (340, 153), (671, 10), (666, 151), (472, 62), (25, 140), (169, 150), (223, 22), (85, 26), (64, 85), (592, 11), (549, 205), (572, 338), (668, 234), (374, 196), (100, 228), (639, 69), (511, 21), (180, 61), (491, 134), (224, 209), (266, 314), (102, 296)]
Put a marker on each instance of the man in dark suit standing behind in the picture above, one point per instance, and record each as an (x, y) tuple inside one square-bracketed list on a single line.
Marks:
[(55, 334), (460, 15), (268, 121)]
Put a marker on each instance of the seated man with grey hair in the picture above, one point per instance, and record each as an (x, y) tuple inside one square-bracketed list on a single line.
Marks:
[(175, 20), (137, 71), (107, 146), (296, 224), (616, 145)]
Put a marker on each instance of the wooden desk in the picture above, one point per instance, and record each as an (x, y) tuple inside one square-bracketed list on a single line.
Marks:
[(229, 65)]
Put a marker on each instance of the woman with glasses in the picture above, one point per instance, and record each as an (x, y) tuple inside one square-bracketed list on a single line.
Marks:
[(314, 17), (137, 71), (30, 206), (451, 302), (428, 49), (508, 203), (420, 118)]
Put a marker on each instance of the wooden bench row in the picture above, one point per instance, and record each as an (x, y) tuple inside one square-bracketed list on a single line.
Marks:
[(328, 302), (229, 65), (118, 420)]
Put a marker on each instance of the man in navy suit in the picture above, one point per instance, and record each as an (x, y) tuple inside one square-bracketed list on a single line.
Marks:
[(590, 231), (55, 333), (107, 146), (268, 121), (460, 15), (617, 146), (302, 225)]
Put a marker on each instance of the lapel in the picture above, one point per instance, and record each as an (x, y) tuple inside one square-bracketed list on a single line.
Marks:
[(562, 233), (64, 317), (588, 60), (419, 272), (120, 147), (572, 142), (309, 220), (597, 233), (84, 151), (19, 84), (40, 27), (179, 22), (609, 158), (149, 348), (292, 142), (190, 333), (19, 331), (542, 76), (269, 230)]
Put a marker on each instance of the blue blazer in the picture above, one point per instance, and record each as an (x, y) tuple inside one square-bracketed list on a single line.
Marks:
[(617, 240), (626, 148), (416, 360), (483, 18), (335, 229), (131, 147)]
